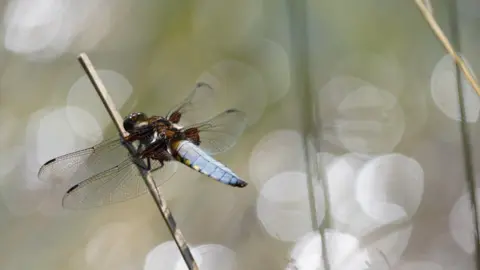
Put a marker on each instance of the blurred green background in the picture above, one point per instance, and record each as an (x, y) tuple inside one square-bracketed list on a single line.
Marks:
[(353, 128)]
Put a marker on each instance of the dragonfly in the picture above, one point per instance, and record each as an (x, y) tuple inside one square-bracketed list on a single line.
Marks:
[(107, 173)]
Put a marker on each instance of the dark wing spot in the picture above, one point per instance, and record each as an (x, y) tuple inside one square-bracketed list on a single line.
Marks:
[(72, 188), (50, 161), (175, 117), (193, 135)]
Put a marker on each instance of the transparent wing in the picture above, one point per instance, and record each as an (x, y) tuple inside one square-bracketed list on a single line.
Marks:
[(85, 163), (117, 184), (194, 107), (218, 134)]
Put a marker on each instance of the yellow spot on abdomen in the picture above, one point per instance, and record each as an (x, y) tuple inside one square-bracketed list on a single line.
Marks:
[(196, 167), (187, 162)]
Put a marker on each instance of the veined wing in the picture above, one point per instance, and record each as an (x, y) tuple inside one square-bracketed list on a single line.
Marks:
[(117, 184), (192, 107), (85, 163), (218, 134)]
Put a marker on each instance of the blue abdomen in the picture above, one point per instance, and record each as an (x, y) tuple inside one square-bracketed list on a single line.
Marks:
[(194, 157)]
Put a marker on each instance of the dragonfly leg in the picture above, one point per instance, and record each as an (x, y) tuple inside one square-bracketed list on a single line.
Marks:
[(142, 165), (149, 164), (158, 168), (162, 157)]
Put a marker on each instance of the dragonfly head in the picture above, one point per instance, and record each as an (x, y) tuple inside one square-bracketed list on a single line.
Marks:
[(133, 121)]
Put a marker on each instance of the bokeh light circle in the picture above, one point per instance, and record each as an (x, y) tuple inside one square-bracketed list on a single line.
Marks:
[(443, 88), (163, 257), (461, 223), (46, 29), (359, 116), (342, 250), (118, 245), (272, 61), (391, 245), (59, 130), (209, 256), (49, 134), (82, 95), (278, 151), (384, 70), (341, 174), (283, 206), (212, 257), (22, 20), (390, 187), (385, 125)]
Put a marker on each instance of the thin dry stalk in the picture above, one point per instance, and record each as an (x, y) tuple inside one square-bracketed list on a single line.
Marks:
[(147, 177), (427, 14), (466, 143)]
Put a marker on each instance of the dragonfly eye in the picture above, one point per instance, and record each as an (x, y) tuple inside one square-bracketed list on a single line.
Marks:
[(132, 120)]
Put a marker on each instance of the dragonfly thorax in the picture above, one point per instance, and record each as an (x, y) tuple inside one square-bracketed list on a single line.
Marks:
[(155, 140)]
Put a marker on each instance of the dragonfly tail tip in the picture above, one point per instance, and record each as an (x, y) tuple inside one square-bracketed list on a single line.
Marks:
[(241, 184)]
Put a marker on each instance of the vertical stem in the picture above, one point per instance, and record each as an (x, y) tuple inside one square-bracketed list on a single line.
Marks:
[(467, 146), (147, 177), (299, 36), (460, 66)]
